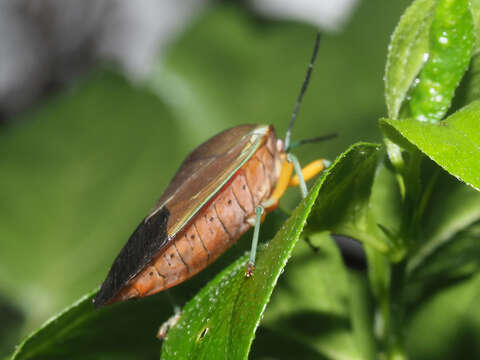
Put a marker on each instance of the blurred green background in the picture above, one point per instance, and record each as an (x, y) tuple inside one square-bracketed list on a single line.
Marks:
[(82, 168)]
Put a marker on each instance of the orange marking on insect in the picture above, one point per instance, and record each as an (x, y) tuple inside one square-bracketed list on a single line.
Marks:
[(308, 172), (282, 185)]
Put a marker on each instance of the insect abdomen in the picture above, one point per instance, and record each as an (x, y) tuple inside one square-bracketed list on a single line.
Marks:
[(214, 229)]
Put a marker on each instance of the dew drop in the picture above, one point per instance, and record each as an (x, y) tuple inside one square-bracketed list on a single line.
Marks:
[(443, 40), (422, 117)]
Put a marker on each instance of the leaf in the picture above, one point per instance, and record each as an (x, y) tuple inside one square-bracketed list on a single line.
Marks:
[(451, 46), (223, 317), (475, 8), (439, 36), (344, 206), (385, 200), (121, 331), (456, 258), (312, 301), (270, 344), (407, 52), (447, 326), (446, 241), (454, 144)]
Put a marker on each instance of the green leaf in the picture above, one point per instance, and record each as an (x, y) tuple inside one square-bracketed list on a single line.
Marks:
[(470, 88), (454, 144), (344, 207), (385, 200), (447, 241), (223, 317), (447, 325), (430, 51), (475, 7), (457, 257), (270, 344), (451, 46), (408, 49), (122, 331), (312, 301)]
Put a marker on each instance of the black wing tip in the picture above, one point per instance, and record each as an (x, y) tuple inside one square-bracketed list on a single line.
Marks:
[(147, 239), (102, 297)]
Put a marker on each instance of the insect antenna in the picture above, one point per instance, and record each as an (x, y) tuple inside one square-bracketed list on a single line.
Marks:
[(312, 140), (302, 92)]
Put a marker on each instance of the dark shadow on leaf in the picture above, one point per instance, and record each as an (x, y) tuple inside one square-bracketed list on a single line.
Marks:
[(462, 345), (418, 293), (11, 320), (270, 344), (313, 323), (287, 282)]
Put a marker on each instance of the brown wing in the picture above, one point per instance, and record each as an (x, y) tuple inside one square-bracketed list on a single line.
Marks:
[(206, 170)]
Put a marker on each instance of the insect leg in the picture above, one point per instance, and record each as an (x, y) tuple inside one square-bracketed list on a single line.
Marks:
[(298, 169), (167, 325), (309, 171), (172, 320), (253, 253)]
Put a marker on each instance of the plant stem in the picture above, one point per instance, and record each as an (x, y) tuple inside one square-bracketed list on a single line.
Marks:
[(396, 315)]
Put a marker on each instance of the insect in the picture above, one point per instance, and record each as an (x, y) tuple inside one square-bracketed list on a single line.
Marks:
[(224, 187)]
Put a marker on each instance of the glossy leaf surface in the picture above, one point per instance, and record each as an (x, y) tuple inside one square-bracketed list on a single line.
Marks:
[(430, 51), (454, 144), (451, 42), (407, 53)]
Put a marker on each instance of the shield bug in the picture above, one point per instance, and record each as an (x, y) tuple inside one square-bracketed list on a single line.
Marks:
[(224, 187)]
